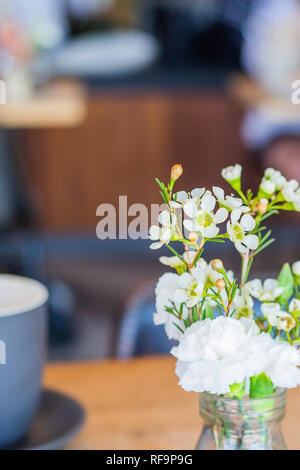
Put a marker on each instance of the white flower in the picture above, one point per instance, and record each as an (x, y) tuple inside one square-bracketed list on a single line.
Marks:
[(214, 354), (291, 193), (296, 268), (164, 292), (165, 233), (237, 231), (182, 197), (232, 173), (294, 306), (281, 320), (172, 261), (283, 368), (230, 202), (190, 287), (265, 292), (243, 304), (267, 186), (203, 219), (276, 177)]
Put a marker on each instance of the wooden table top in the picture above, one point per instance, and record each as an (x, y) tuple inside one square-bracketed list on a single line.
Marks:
[(58, 104), (137, 404)]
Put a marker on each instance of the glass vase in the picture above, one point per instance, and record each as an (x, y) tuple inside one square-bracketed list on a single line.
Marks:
[(242, 424)]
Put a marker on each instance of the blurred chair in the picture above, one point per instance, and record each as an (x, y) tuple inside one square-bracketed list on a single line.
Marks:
[(137, 334)]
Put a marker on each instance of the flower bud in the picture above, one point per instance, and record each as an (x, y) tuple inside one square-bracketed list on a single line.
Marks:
[(232, 174), (267, 187), (296, 268), (193, 237), (176, 172), (217, 265), (220, 284), (262, 206)]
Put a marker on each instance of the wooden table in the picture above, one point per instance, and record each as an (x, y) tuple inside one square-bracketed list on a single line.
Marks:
[(60, 104), (137, 405)]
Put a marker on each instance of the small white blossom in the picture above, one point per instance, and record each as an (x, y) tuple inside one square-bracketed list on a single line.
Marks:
[(296, 268), (166, 232), (291, 193), (164, 292), (232, 173), (294, 306), (237, 231), (243, 305), (172, 261), (204, 220), (267, 186), (265, 292), (182, 197), (214, 354), (280, 319), (230, 202), (276, 177), (190, 287)]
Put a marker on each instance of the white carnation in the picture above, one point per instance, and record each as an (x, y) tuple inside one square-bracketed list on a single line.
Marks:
[(214, 354), (283, 369)]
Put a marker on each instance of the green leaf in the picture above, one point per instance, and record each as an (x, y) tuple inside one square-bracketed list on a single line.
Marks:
[(261, 386), (209, 312), (237, 390), (286, 280)]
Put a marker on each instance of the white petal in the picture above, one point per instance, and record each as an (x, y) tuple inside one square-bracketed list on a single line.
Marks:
[(241, 248), (166, 235), (198, 192), (164, 218), (175, 205), (190, 225), (154, 232), (180, 296), (247, 222), (270, 284), (251, 241), (184, 280), (219, 193), (190, 209), (211, 231), (208, 203), (159, 319), (191, 302), (235, 215), (156, 245), (221, 215), (182, 196)]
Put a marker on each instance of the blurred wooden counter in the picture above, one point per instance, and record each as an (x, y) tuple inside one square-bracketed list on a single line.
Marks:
[(138, 405), (60, 104)]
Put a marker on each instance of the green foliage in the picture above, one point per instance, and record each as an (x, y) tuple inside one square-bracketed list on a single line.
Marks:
[(237, 390), (286, 280), (261, 386)]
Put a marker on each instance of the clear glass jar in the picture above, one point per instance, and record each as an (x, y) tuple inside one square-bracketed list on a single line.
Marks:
[(242, 424)]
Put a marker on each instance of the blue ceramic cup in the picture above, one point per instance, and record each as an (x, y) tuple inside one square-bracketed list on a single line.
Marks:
[(23, 345)]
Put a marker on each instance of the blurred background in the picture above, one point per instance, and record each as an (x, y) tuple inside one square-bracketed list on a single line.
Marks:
[(102, 97)]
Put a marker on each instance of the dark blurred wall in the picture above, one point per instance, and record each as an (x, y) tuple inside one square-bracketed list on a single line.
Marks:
[(127, 141)]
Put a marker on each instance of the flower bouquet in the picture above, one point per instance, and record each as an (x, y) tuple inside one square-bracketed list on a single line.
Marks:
[(237, 339)]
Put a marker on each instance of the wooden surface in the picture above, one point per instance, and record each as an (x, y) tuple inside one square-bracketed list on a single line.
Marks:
[(138, 405), (59, 104)]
